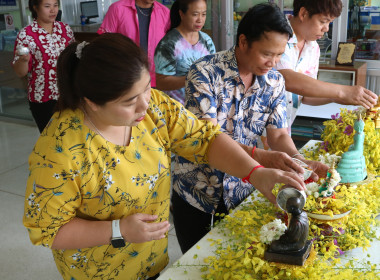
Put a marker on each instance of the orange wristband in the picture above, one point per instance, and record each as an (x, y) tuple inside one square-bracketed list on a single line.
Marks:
[(246, 179), (253, 150)]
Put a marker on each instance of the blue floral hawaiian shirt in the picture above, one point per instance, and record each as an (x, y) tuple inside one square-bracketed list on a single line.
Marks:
[(214, 89)]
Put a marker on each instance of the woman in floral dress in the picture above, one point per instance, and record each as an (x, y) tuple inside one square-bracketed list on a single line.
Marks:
[(45, 38), (99, 186)]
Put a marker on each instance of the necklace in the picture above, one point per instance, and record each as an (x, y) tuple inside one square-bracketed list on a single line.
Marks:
[(98, 132), (141, 12)]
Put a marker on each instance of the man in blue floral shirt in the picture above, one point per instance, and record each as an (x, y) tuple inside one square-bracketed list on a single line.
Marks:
[(239, 90)]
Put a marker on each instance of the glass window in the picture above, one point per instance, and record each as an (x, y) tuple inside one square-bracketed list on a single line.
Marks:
[(13, 93), (363, 28)]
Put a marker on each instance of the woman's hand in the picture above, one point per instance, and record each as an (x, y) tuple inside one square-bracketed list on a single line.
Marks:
[(139, 228), (264, 179), (21, 65), (24, 58), (319, 168), (278, 160)]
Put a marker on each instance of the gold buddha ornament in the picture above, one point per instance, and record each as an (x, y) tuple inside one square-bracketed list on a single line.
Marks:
[(374, 114)]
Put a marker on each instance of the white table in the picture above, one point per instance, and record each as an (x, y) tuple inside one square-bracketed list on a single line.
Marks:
[(189, 268)]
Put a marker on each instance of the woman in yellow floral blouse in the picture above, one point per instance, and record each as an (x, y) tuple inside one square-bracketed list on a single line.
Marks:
[(99, 184)]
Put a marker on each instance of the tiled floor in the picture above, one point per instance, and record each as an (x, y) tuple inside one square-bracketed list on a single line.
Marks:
[(19, 259)]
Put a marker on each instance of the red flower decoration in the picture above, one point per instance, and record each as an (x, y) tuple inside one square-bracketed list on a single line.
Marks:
[(308, 181)]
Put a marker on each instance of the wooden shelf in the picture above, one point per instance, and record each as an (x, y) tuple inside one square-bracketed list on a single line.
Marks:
[(338, 74), (359, 69)]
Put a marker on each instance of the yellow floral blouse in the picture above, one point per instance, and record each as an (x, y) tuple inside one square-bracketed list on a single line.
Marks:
[(74, 172)]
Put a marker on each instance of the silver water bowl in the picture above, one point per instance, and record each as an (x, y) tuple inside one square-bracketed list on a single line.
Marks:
[(22, 51), (307, 170), (287, 192)]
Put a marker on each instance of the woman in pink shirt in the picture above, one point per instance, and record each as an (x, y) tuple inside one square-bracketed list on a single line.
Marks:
[(143, 21), (45, 38)]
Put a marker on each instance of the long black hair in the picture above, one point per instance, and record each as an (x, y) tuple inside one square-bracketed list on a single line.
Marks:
[(108, 66)]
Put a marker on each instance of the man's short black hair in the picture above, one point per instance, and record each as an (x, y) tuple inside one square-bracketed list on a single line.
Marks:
[(331, 8), (263, 18)]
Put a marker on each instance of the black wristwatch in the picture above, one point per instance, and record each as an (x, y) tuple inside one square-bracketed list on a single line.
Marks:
[(117, 240)]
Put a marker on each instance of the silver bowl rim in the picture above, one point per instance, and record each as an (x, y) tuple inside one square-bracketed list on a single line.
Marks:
[(291, 192)]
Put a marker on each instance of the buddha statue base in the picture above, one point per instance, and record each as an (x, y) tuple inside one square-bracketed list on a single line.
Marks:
[(352, 167), (353, 175), (293, 258)]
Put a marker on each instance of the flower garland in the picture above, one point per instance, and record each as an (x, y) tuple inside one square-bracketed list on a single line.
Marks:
[(241, 256), (338, 135), (345, 200), (272, 231), (325, 187)]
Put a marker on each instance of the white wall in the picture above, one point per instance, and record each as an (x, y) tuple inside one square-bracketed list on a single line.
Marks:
[(71, 10)]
